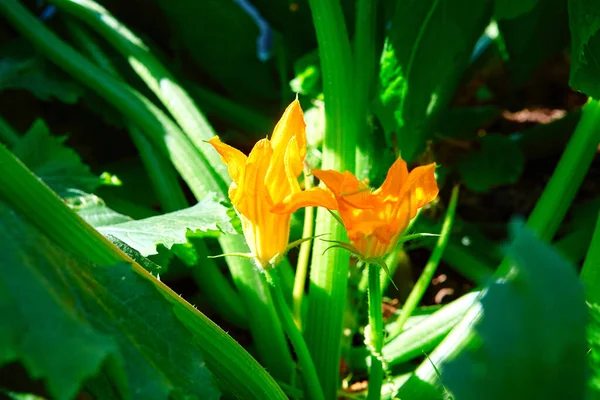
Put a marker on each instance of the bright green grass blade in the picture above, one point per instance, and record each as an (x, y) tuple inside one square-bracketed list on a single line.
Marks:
[(424, 280), (329, 271), (236, 371)]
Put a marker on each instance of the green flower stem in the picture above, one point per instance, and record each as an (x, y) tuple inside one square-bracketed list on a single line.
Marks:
[(329, 271), (374, 339), (590, 273), (304, 255), (236, 371), (545, 219), (419, 339), (425, 279), (311, 380), (7, 133), (221, 295)]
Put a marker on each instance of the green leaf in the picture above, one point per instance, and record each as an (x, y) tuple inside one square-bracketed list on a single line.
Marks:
[(584, 21), (22, 68), (463, 123), (499, 161), (420, 67), (207, 218), (64, 319), (94, 211), (60, 167), (531, 38), (593, 338), (532, 332), (507, 9)]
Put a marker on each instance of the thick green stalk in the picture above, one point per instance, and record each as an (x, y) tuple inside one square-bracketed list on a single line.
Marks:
[(308, 230), (221, 295), (236, 371), (154, 74), (7, 133), (329, 272), (424, 280), (365, 66), (545, 219), (558, 194), (374, 339), (590, 273), (311, 380), (421, 338)]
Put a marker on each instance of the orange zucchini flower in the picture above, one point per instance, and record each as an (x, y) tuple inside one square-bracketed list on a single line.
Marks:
[(268, 178), (375, 220)]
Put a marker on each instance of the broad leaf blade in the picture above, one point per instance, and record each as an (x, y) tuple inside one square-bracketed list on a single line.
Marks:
[(207, 218), (584, 21), (421, 67), (532, 333), (64, 318)]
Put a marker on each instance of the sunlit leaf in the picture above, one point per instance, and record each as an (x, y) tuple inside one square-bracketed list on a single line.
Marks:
[(207, 218)]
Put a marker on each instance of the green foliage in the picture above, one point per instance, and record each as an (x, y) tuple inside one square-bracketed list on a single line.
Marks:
[(22, 68), (88, 317), (507, 9), (532, 332), (420, 68), (207, 218), (58, 166), (530, 37), (593, 341), (228, 39), (584, 21), (499, 161)]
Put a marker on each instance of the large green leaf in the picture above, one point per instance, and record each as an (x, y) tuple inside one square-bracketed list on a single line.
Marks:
[(584, 21), (22, 68), (207, 218), (59, 166), (430, 43), (532, 332), (64, 319)]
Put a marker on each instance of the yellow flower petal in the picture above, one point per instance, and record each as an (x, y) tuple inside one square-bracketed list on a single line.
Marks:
[(232, 157), (315, 197)]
